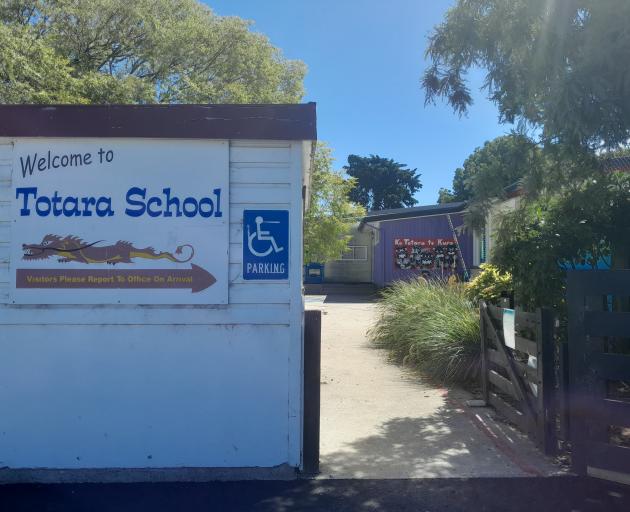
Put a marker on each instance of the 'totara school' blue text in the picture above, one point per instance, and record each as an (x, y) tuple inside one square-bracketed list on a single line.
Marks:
[(138, 204)]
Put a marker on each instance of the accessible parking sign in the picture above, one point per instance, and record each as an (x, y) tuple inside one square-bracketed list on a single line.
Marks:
[(265, 244)]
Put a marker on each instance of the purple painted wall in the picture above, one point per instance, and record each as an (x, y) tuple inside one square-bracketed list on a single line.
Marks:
[(436, 226)]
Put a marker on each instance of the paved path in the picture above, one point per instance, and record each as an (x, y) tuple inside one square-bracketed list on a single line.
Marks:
[(380, 421)]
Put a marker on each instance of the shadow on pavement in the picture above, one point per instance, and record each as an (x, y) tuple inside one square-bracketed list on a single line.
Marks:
[(449, 441), (444, 444), (350, 299), (481, 494)]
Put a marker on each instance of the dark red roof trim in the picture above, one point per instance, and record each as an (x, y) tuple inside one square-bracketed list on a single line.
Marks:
[(619, 164), (267, 122)]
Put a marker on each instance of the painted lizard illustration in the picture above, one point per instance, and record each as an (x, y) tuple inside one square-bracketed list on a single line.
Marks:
[(72, 248)]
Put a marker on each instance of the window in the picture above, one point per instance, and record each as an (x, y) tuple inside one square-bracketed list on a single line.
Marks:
[(482, 246), (355, 253)]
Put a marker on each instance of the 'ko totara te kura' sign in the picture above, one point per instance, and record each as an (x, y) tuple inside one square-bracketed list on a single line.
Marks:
[(108, 221)]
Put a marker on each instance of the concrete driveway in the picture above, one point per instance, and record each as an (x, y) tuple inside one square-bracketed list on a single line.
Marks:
[(379, 420)]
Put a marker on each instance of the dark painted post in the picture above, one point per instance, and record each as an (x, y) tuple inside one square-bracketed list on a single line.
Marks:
[(563, 388), (546, 389), (484, 354), (312, 379), (577, 391)]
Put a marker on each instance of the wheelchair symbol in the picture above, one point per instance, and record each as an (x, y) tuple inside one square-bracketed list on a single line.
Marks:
[(262, 236)]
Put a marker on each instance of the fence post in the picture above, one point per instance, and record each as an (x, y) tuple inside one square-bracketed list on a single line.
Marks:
[(563, 388), (312, 379), (546, 357), (484, 360)]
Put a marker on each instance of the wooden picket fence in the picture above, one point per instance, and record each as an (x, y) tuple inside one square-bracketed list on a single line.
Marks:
[(519, 381)]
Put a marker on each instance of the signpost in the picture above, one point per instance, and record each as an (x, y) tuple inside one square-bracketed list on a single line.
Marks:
[(195, 279), (509, 328), (266, 244), (425, 254), (120, 222), (143, 336)]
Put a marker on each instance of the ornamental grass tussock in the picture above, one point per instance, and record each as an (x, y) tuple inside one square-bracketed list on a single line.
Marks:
[(432, 326)]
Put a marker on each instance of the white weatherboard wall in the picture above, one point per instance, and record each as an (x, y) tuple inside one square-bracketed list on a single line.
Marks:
[(162, 386)]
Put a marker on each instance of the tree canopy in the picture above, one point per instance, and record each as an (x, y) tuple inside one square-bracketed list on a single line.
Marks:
[(331, 215), (141, 51), (382, 183), (460, 190), (560, 66), (489, 169), (580, 226), (507, 160)]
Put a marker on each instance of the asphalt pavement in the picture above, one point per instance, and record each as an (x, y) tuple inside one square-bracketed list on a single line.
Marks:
[(557, 494)]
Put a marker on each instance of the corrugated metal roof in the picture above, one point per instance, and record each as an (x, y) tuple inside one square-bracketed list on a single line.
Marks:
[(416, 211)]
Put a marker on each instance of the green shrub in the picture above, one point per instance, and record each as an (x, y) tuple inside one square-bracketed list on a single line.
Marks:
[(490, 285), (431, 326)]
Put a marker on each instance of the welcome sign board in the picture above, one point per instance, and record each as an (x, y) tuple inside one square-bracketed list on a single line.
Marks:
[(129, 221)]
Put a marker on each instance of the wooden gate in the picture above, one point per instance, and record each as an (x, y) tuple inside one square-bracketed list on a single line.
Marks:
[(518, 376), (599, 372)]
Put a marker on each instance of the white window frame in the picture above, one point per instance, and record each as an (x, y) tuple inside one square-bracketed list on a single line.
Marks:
[(480, 238), (353, 249)]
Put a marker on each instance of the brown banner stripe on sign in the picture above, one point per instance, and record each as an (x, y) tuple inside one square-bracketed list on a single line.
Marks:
[(196, 278), (227, 121)]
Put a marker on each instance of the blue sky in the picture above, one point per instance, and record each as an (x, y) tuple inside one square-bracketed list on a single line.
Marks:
[(365, 60)]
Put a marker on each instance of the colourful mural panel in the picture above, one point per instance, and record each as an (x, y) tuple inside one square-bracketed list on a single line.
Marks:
[(434, 254)]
